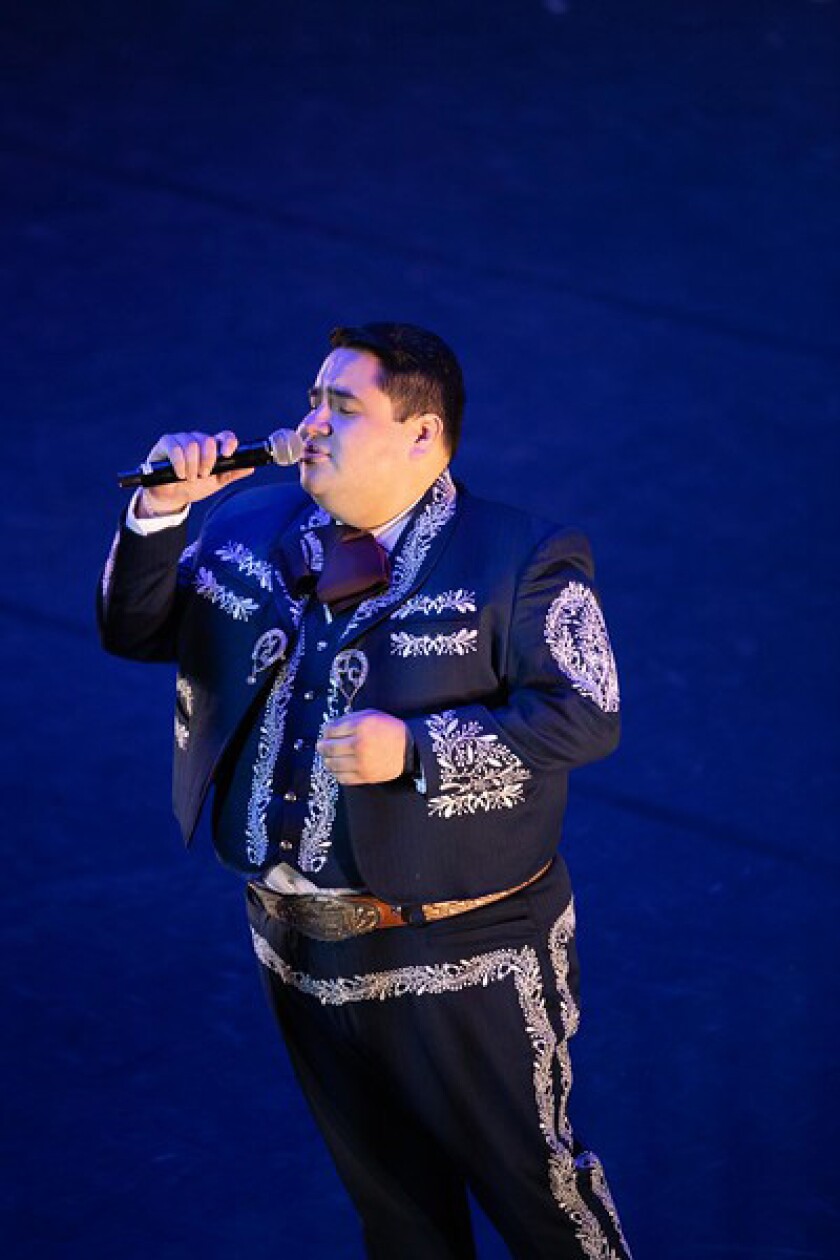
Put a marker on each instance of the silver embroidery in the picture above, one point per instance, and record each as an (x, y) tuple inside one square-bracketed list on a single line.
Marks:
[(476, 770), (186, 556), (108, 571), (237, 606), (182, 734), (523, 967), (267, 650), (349, 673), (456, 643), (316, 834), (184, 692), (268, 750), (313, 550), (577, 639), (566, 1169), (249, 564), (433, 605), (421, 533)]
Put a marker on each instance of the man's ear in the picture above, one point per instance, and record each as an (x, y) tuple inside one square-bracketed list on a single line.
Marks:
[(428, 431)]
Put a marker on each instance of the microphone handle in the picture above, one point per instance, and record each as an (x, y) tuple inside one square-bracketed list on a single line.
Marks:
[(161, 472)]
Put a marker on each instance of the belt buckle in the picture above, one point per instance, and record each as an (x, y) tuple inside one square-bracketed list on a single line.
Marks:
[(321, 917)]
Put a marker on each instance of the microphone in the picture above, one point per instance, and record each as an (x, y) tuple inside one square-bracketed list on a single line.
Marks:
[(283, 447)]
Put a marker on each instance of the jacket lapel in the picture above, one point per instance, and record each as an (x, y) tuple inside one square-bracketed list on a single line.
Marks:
[(418, 551)]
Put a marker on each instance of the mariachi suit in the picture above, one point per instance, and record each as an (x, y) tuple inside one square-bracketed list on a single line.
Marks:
[(491, 646)]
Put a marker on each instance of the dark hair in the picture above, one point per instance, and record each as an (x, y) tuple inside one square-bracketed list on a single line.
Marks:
[(419, 371)]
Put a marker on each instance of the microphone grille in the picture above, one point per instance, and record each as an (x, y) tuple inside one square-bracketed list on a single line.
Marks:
[(286, 446)]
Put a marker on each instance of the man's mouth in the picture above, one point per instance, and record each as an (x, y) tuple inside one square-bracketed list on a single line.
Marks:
[(314, 452)]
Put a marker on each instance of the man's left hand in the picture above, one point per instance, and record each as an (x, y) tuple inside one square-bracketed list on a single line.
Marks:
[(364, 747)]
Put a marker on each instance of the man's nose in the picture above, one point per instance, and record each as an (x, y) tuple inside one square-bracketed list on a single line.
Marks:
[(317, 422)]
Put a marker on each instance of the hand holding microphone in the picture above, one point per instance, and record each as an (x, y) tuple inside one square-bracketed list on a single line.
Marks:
[(183, 468)]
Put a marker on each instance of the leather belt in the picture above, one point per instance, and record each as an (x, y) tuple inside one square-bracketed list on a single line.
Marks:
[(335, 918)]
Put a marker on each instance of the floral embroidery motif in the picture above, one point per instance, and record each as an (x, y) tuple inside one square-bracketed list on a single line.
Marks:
[(184, 692), (249, 564), (422, 532), (457, 643), (522, 965), (433, 605), (182, 734), (476, 770), (237, 606), (268, 749), (577, 639)]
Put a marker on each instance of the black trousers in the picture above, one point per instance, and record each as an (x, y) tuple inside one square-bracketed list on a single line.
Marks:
[(436, 1058)]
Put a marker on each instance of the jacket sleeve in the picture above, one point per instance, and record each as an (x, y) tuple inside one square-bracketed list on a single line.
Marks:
[(141, 592), (560, 697)]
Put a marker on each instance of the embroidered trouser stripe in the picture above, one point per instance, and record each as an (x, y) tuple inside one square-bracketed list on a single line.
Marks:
[(575, 1176)]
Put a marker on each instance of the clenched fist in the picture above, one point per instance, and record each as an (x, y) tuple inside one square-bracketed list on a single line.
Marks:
[(192, 455), (364, 747)]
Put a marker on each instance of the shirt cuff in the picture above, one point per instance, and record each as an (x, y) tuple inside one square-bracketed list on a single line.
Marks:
[(152, 524)]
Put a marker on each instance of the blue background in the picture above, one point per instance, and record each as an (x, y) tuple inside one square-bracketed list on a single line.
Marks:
[(624, 218)]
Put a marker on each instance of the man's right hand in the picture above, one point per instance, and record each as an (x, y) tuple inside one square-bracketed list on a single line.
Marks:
[(192, 455)]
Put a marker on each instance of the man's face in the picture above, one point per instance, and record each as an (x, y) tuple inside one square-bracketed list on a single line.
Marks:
[(358, 460)]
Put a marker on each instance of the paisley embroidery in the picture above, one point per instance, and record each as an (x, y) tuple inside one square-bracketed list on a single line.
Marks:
[(268, 750), (237, 606), (522, 966), (267, 650), (476, 770), (433, 605), (457, 643), (421, 533), (577, 639), (249, 564)]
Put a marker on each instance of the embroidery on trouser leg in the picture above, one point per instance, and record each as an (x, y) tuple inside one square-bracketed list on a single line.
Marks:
[(483, 969), (566, 1167)]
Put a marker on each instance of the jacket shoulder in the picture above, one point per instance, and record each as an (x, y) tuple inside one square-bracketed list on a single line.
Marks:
[(512, 529), (263, 511)]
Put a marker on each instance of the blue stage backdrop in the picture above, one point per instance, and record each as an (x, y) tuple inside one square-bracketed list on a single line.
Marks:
[(624, 218)]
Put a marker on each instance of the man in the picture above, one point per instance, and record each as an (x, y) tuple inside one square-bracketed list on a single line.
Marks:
[(387, 681)]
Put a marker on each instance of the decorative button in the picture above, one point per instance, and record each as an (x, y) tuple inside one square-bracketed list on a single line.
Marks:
[(286, 844), (290, 797), (309, 695), (298, 744), (321, 645)]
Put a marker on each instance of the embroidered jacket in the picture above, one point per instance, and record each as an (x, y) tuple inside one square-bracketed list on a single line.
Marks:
[(490, 644)]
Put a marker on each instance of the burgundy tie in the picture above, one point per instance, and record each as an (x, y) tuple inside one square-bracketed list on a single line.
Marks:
[(356, 567)]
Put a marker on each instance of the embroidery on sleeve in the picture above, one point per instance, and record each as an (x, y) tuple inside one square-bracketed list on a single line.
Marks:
[(577, 638), (457, 643), (476, 770), (237, 606)]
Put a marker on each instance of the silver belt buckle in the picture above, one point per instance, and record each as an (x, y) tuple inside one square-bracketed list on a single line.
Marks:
[(317, 915)]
